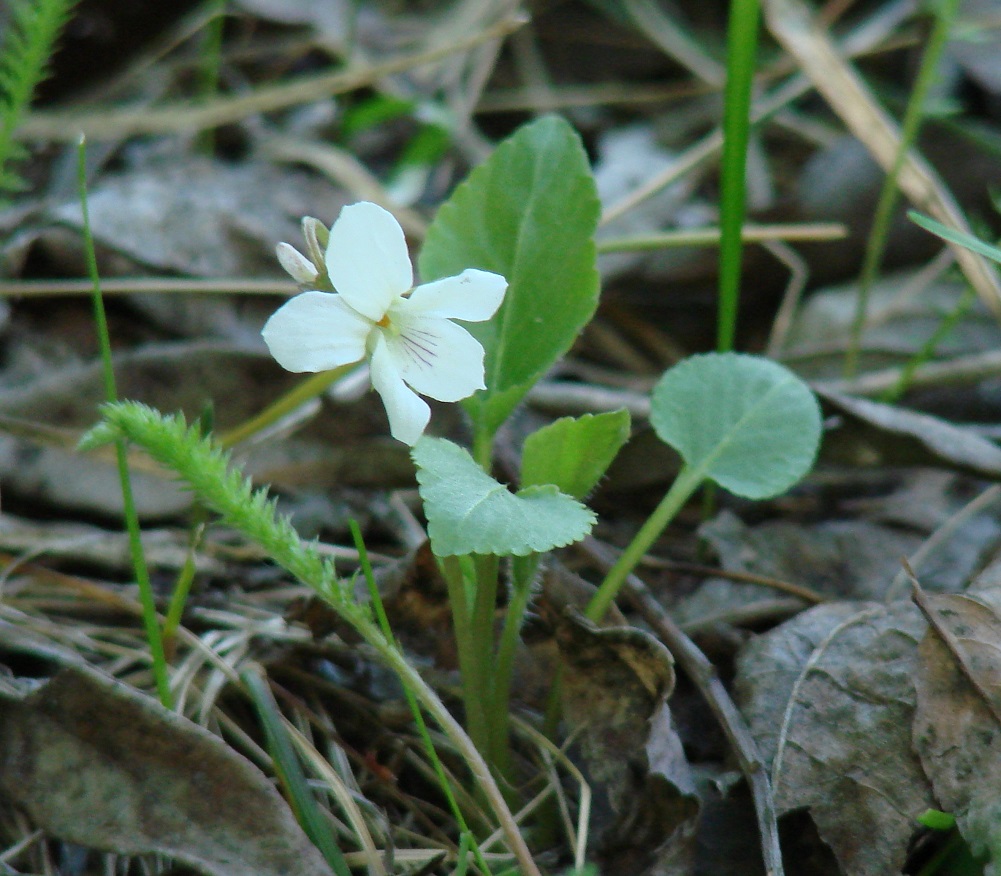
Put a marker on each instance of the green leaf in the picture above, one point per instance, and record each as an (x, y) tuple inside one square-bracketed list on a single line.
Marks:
[(954, 235), (529, 212), (937, 820), (573, 454), (747, 423), (32, 28), (468, 512)]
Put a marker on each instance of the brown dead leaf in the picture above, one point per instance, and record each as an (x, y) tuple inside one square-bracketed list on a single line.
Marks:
[(97, 763), (956, 729), (836, 683), (769, 666), (616, 681)]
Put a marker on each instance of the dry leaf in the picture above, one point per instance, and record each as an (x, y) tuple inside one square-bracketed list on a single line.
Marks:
[(957, 732), (201, 217), (845, 559), (897, 436), (769, 666), (843, 747), (616, 681), (96, 763)]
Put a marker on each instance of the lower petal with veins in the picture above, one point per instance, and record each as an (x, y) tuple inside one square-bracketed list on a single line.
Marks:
[(408, 413), (437, 358)]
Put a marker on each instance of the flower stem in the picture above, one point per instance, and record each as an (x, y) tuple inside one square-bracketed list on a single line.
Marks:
[(308, 389), (382, 619)]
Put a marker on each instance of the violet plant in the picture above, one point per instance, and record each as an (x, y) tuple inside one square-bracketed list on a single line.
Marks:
[(511, 256)]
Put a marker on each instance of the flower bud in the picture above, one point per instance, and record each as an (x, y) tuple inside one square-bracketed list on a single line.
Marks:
[(301, 269), (316, 235)]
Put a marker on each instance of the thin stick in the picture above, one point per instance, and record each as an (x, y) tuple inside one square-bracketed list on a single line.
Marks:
[(799, 274), (794, 231), (103, 125), (125, 285), (962, 370), (804, 593)]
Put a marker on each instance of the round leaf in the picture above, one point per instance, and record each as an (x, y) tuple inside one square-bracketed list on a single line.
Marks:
[(747, 423), (469, 512)]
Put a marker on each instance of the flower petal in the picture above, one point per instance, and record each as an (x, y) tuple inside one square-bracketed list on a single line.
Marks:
[(408, 413), (296, 265), (436, 357), (472, 296), (367, 259), (316, 331)]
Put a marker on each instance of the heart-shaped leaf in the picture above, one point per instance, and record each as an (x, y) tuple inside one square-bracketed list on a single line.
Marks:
[(573, 454), (469, 512), (529, 212), (747, 423)]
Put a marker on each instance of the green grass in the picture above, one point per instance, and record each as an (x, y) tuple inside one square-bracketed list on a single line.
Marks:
[(944, 15), (146, 597), (742, 44)]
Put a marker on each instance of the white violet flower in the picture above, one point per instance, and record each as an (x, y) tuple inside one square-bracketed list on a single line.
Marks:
[(406, 333)]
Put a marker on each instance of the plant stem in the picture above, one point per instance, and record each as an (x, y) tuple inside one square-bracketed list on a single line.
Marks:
[(474, 760), (289, 771), (468, 647), (948, 323), (687, 482), (210, 63), (299, 395), (483, 447), (206, 469), (523, 571), (913, 116), (480, 691), (742, 42), (182, 586), (379, 609), (151, 622)]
